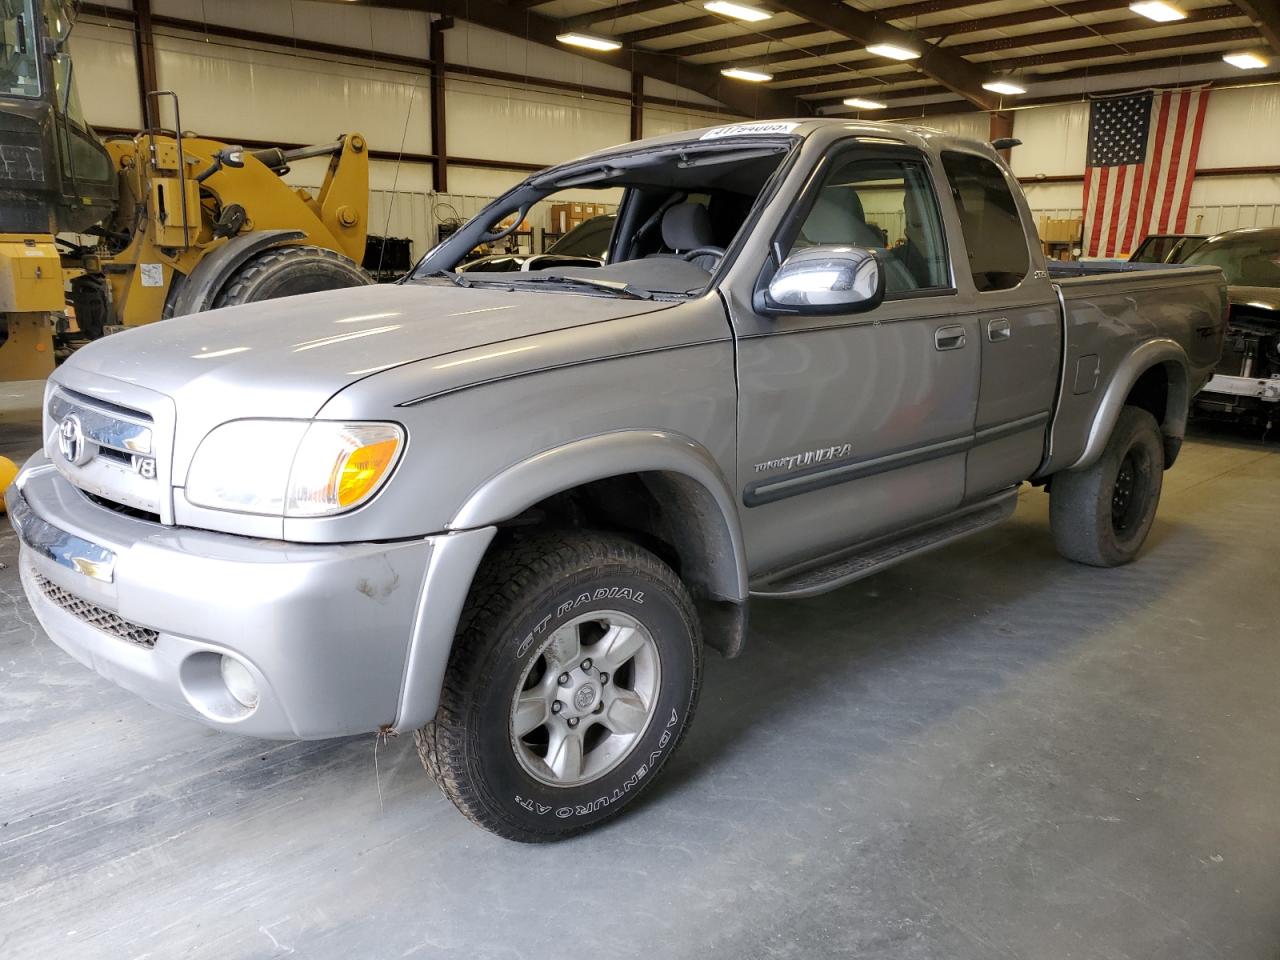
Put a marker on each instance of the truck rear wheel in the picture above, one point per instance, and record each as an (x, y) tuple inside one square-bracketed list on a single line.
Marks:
[(575, 671), (287, 271), (1101, 515)]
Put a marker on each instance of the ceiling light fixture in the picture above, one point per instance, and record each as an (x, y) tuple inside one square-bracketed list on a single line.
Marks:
[(1245, 60), (1003, 86), (893, 51), (860, 104), (588, 41), (740, 73), (1157, 10), (737, 11)]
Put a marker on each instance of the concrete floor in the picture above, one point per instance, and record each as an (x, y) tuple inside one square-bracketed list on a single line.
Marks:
[(987, 752)]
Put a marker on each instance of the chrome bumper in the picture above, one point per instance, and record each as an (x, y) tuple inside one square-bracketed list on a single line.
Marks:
[(334, 636)]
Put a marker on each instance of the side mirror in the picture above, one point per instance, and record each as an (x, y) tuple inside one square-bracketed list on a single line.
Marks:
[(826, 279)]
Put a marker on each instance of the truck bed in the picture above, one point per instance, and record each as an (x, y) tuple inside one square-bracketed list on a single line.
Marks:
[(1110, 310)]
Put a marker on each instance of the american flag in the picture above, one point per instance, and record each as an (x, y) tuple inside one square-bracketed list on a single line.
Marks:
[(1141, 161)]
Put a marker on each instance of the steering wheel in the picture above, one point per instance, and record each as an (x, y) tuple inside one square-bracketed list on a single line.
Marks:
[(690, 255)]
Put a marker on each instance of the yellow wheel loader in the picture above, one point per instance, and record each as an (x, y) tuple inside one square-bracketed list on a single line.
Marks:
[(136, 229)]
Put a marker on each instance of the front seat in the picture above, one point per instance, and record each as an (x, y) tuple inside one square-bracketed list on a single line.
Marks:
[(837, 219), (685, 227)]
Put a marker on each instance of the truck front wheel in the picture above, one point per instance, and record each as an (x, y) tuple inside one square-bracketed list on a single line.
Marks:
[(1101, 515), (573, 676)]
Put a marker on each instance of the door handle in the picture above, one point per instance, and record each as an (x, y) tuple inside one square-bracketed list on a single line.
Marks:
[(949, 338), (999, 329)]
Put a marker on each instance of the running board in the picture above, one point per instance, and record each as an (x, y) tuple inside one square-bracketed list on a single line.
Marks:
[(866, 559)]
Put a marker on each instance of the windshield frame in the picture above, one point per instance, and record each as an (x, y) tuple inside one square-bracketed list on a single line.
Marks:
[(573, 175)]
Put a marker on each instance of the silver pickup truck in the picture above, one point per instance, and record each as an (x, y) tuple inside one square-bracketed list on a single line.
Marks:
[(506, 512)]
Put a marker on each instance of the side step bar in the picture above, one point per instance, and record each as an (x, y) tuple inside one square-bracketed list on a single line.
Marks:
[(868, 558)]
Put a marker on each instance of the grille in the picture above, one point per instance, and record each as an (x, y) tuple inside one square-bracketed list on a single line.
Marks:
[(107, 450), (95, 616)]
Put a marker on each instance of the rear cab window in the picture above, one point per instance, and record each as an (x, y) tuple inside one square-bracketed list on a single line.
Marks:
[(994, 237)]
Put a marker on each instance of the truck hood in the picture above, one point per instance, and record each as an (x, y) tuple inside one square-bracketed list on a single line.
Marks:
[(285, 358), (1264, 299)]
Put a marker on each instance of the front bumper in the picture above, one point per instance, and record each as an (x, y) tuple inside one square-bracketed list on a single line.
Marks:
[(329, 633)]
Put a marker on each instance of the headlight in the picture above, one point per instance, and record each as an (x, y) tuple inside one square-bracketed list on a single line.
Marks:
[(292, 468)]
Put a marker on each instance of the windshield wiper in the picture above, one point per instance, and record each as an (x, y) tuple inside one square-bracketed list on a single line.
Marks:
[(618, 287), (456, 279)]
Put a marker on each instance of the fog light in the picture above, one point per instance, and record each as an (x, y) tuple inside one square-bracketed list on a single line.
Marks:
[(239, 682)]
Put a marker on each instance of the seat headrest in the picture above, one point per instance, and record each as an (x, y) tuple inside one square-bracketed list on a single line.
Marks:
[(687, 226), (837, 219)]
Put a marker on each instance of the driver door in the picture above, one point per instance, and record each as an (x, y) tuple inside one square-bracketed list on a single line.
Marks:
[(854, 425)]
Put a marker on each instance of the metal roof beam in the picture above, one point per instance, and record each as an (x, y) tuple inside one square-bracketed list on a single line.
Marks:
[(746, 99), (581, 21), (951, 71), (1265, 15), (1083, 32)]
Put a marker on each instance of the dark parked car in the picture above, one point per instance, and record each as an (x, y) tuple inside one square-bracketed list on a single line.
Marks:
[(1247, 383), (583, 246), (1167, 247)]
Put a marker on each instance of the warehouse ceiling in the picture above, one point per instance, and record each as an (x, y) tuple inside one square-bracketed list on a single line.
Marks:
[(815, 51)]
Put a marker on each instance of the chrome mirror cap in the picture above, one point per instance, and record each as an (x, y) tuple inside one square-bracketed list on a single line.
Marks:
[(826, 279)]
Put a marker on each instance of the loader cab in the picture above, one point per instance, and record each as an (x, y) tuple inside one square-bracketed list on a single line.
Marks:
[(55, 174)]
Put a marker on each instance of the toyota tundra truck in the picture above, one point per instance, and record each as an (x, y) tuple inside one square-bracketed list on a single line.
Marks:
[(506, 512)]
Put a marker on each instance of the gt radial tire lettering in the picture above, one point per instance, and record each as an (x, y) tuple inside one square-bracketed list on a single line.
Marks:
[(601, 593)]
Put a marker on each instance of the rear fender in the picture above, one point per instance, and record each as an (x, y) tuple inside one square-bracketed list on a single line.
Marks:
[(1159, 352)]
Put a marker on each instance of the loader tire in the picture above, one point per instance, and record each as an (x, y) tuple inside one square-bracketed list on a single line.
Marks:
[(288, 271)]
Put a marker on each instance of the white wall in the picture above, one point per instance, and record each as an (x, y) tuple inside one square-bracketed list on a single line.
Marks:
[(1053, 138), (106, 74)]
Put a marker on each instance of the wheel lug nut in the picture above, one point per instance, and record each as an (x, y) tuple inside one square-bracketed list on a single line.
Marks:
[(557, 707), (604, 678), (586, 665), (573, 721), (564, 679)]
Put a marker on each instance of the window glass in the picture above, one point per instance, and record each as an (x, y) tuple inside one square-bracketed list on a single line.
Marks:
[(993, 232), (887, 206), (19, 75), (1247, 261)]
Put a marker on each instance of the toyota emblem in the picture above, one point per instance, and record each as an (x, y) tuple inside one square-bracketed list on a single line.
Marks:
[(71, 440)]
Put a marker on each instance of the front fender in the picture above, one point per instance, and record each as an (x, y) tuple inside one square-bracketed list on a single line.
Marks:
[(553, 471), (685, 471)]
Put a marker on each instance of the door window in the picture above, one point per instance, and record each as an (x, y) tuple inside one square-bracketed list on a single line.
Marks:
[(886, 205), (993, 231)]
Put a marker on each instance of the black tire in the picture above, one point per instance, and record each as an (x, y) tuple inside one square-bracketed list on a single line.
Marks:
[(1101, 515), (523, 594), (288, 271)]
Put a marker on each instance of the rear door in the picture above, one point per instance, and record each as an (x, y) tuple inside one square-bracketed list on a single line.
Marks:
[(1018, 320), (854, 425)]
